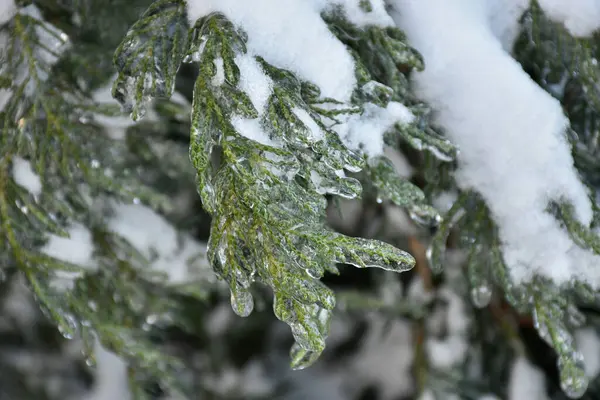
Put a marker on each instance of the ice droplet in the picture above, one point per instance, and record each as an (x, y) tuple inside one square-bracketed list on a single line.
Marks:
[(435, 258), (573, 380), (90, 361), (481, 296), (242, 302), (302, 358), (68, 326), (424, 216)]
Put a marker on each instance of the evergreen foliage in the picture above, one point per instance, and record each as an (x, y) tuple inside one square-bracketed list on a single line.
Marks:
[(267, 198)]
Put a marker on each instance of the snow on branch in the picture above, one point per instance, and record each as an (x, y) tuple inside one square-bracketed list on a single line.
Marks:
[(285, 34), (510, 132), (580, 17)]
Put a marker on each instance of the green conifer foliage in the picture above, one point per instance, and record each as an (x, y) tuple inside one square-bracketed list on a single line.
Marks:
[(266, 198)]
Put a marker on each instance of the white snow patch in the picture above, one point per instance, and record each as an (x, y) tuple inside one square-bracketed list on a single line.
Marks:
[(503, 17), (219, 319), (156, 239), (251, 129), (445, 200), (219, 77), (401, 164), (416, 291), (510, 133), (385, 358), (53, 42), (365, 131), (526, 382), (117, 125), (111, 377), (292, 35), (25, 176), (588, 344), (7, 10), (315, 130), (251, 380), (5, 94), (580, 17), (258, 86), (77, 249), (451, 350), (378, 16), (254, 82), (19, 304), (427, 395)]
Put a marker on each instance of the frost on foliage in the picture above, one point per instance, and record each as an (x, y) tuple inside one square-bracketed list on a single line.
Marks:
[(588, 343), (526, 381), (265, 146)]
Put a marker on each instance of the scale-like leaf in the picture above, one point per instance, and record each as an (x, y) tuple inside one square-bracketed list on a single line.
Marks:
[(150, 55)]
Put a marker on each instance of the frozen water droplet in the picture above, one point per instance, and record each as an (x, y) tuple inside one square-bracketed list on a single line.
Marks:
[(68, 327), (90, 361), (481, 296), (424, 216), (435, 260), (302, 358), (573, 380), (22, 207), (242, 302)]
